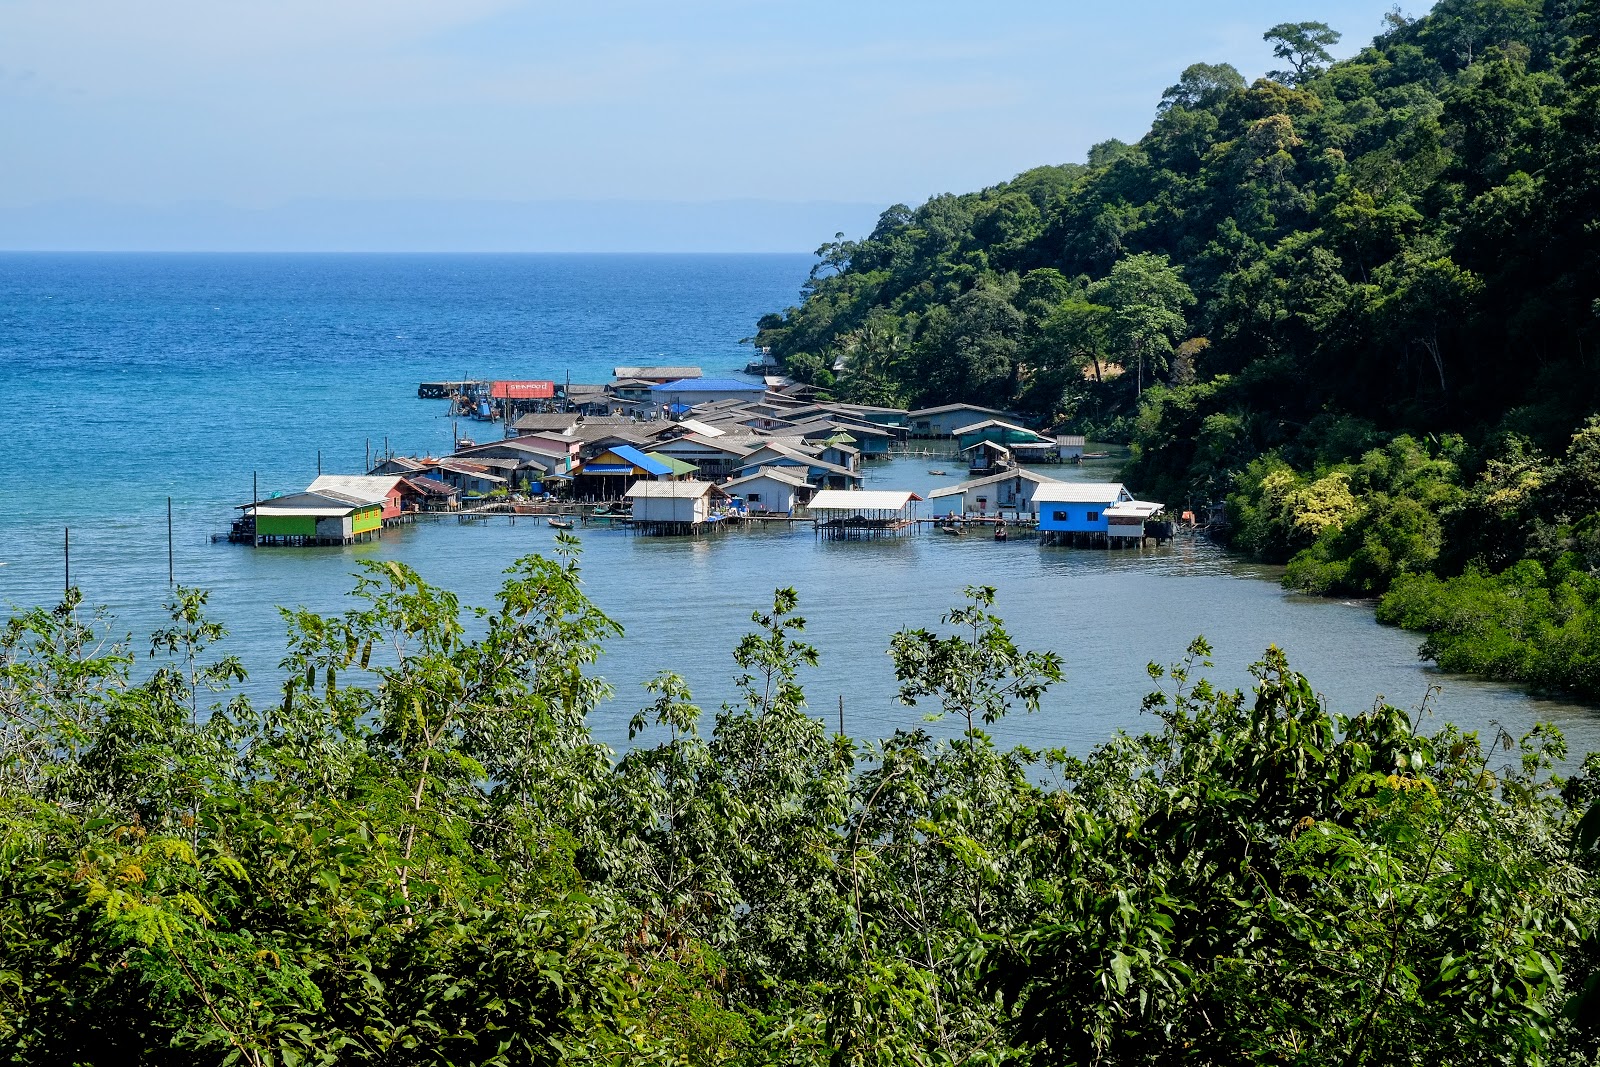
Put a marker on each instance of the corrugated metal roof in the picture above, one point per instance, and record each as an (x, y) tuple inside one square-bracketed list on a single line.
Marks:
[(1079, 492), (546, 445), (703, 429), (708, 385), (1136, 508), (372, 488), (993, 479), (775, 474), (674, 464), (943, 409), (431, 486), (666, 490), (640, 460), (706, 444), (325, 502), (607, 468), (655, 372), (862, 499), (1001, 424)]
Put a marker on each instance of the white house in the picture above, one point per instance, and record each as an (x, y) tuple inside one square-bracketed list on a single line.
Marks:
[(773, 490), (686, 504)]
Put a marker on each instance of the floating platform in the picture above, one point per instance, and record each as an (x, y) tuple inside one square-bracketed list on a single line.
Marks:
[(446, 390)]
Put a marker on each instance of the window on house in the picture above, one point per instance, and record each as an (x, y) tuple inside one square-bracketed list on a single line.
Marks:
[(1093, 516), (754, 498), (1059, 516)]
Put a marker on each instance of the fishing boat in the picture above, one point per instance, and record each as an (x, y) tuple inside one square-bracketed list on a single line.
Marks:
[(951, 529), (934, 471), (560, 524)]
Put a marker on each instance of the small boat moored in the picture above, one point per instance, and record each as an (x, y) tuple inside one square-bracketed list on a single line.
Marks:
[(560, 524)]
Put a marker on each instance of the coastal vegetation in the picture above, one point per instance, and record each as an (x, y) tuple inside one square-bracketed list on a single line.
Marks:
[(1355, 300), (419, 855)]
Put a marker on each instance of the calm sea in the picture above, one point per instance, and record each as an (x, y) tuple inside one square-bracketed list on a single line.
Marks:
[(129, 379)]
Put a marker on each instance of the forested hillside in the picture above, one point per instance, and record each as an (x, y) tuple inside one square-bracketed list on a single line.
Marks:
[(1361, 299)]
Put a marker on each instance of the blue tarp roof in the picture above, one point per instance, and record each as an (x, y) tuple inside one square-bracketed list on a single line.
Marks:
[(607, 468), (709, 385), (640, 460)]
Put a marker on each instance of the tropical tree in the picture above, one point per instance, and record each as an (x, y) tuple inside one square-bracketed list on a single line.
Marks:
[(1304, 45), (1146, 296)]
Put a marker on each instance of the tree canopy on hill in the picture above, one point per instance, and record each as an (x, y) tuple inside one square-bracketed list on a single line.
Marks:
[(1352, 299), (1403, 239)]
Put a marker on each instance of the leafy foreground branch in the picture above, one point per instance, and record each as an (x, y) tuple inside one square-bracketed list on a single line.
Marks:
[(420, 856)]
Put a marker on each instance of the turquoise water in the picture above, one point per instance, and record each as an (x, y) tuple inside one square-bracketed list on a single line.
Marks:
[(131, 378)]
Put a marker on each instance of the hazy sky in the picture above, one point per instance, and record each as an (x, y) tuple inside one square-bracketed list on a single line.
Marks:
[(254, 103)]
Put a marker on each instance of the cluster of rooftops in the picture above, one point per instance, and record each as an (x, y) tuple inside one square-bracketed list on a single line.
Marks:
[(767, 447)]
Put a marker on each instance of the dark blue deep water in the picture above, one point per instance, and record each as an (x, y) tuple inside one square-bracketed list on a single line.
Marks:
[(126, 379)]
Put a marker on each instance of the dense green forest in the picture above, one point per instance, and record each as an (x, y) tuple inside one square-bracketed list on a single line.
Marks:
[(1359, 301), (420, 856)]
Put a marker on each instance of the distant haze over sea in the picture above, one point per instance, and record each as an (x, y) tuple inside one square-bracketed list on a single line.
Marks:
[(435, 226)]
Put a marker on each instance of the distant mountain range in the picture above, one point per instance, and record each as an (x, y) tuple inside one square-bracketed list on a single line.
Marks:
[(435, 226)]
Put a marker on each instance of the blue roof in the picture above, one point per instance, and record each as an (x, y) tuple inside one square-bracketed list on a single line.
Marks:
[(640, 460), (709, 385)]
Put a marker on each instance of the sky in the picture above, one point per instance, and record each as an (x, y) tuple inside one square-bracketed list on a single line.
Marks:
[(174, 118)]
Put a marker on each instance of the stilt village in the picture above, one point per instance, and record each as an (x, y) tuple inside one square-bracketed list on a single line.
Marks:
[(668, 451)]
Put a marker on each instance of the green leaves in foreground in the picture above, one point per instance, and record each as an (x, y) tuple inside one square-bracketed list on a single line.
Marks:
[(420, 856)]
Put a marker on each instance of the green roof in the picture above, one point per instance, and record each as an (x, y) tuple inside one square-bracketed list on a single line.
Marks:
[(677, 466)]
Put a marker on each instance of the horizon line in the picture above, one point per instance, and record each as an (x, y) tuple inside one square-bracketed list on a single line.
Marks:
[(397, 252)]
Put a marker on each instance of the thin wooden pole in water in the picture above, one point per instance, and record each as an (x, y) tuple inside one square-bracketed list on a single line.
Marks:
[(66, 558), (841, 714), (255, 516), (369, 453), (170, 569), (319, 462)]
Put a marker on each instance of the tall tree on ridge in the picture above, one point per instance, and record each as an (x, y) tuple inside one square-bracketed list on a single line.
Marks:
[(1305, 45)]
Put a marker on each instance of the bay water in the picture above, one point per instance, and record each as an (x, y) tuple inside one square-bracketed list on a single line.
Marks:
[(129, 379)]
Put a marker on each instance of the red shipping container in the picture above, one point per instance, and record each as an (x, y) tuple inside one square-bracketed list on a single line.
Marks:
[(522, 390)]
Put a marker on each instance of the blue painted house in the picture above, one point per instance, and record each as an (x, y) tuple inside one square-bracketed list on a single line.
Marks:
[(1078, 507), (1101, 513)]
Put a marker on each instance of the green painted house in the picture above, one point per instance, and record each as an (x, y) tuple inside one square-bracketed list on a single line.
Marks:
[(324, 517)]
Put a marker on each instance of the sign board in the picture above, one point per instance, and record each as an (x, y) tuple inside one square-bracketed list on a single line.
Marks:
[(522, 390)]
